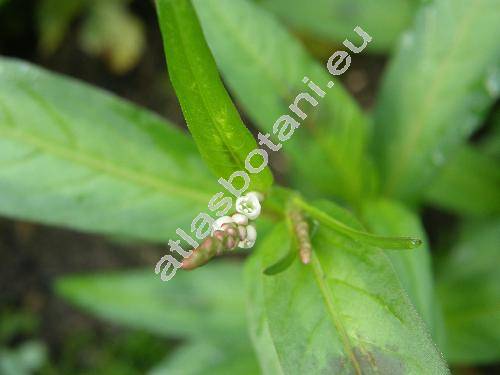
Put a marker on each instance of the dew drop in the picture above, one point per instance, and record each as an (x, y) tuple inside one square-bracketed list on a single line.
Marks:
[(407, 40), (415, 242)]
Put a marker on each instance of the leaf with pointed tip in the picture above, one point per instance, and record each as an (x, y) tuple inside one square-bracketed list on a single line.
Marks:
[(468, 286), (413, 268), (264, 66), (222, 138), (79, 157), (358, 234), (346, 312), (436, 92), (283, 263)]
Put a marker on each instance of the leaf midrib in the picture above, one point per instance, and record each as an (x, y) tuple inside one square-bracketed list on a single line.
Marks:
[(104, 166), (416, 124), (326, 293)]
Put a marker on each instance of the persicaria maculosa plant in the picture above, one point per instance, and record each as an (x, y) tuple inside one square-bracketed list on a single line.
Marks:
[(338, 276), (228, 147)]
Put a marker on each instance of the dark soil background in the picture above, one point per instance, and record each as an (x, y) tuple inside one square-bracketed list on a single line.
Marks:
[(32, 256)]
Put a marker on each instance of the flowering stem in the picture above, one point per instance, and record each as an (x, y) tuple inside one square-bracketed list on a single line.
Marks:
[(300, 228), (394, 243), (221, 242)]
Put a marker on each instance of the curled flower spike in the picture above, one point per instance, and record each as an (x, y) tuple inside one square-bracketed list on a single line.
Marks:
[(249, 205), (222, 241), (227, 235), (228, 232)]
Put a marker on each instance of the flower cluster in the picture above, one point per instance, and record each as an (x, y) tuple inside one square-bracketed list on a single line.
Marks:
[(247, 208)]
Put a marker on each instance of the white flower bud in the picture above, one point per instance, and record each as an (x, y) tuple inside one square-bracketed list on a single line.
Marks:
[(250, 238), (240, 219), (249, 206), (217, 225), (242, 230)]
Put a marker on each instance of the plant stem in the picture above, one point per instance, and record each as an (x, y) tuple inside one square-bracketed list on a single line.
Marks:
[(393, 243)]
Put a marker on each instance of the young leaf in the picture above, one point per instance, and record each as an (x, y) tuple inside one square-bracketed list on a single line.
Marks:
[(468, 184), (436, 92), (207, 303), (334, 19), (264, 66), (222, 138), (468, 286), (283, 263), (76, 156), (413, 268), (344, 313)]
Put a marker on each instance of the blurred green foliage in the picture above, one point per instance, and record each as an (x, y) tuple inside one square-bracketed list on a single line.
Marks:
[(108, 29)]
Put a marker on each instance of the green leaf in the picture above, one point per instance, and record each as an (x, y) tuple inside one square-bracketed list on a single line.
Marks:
[(437, 90), (78, 157), (468, 286), (344, 313), (413, 268), (468, 184), (207, 303), (264, 66), (203, 358), (222, 138), (334, 19)]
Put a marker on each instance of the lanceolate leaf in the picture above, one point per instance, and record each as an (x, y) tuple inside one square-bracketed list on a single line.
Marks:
[(412, 267), (442, 80), (469, 184), (78, 157), (212, 118), (334, 19), (344, 313), (264, 66), (206, 304), (469, 289)]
